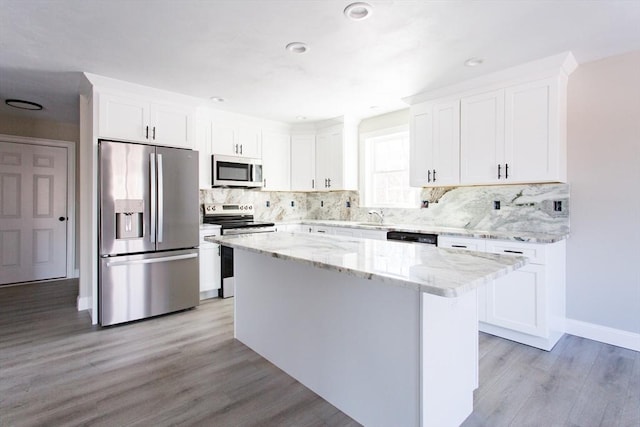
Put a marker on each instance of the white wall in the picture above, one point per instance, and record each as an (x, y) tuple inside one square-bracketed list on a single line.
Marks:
[(603, 252)]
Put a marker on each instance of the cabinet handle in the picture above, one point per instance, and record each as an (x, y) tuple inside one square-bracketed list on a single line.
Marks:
[(329, 182), (434, 175), (218, 250), (154, 133), (513, 252), (265, 183), (321, 231), (499, 171), (240, 148), (146, 135), (506, 171), (313, 183), (459, 246), (325, 183), (235, 149), (429, 175)]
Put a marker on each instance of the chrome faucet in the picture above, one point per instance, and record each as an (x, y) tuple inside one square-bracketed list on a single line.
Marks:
[(379, 214)]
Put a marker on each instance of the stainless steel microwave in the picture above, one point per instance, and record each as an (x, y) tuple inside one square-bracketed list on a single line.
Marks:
[(231, 171)]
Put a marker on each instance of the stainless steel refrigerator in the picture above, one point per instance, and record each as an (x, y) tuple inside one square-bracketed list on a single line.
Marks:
[(148, 233)]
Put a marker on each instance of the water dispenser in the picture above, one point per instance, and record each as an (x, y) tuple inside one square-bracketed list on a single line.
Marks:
[(129, 218)]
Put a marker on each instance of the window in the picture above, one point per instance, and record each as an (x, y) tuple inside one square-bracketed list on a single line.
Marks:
[(385, 172)]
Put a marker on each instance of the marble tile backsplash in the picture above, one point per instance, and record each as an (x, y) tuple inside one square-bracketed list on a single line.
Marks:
[(532, 207)]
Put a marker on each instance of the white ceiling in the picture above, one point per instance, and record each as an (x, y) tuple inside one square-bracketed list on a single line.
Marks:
[(235, 48)]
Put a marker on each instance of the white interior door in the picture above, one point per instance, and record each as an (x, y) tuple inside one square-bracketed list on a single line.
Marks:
[(33, 212)]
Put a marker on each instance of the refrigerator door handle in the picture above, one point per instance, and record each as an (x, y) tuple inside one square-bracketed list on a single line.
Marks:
[(152, 180), (160, 199), (151, 260)]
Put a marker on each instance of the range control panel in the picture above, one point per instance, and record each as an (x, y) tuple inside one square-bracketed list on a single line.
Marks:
[(228, 209)]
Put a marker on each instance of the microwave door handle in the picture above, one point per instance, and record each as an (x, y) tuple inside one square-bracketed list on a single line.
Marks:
[(152, 199), (160, 199)]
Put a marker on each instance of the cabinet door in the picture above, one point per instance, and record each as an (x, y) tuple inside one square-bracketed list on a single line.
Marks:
[(172, 125), (469, 244), (249, 142), (223, 139), (203, 145), (445, 169), (123, 117), (209, 267), (303, 162), (276, 162), (517, 301), (482, 138), (532, 132), (329, 161), (421, 148)]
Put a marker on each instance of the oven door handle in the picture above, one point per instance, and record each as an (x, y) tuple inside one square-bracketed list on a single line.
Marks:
[(238, 231)]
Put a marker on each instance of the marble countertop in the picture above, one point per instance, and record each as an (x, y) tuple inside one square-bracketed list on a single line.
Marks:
[(424, 268), (520, 236)]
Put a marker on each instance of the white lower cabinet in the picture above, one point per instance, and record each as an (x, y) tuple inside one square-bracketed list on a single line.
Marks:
[(527, 305), (210, 279)]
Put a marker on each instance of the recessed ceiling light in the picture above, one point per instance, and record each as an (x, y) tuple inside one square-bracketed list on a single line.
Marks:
[(358, 11), (297, 47), (301, 118), (473, 62), (217, 99), (374, 107), (23, 105)]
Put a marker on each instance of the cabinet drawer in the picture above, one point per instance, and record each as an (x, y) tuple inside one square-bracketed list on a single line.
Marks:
[(466, 243), (534, 251)]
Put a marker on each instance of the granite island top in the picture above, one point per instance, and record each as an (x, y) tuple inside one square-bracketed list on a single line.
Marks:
[(424, 268), (519, 236)]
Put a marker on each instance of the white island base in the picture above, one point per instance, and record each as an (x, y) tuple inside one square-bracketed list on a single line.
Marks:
[(385, 355)]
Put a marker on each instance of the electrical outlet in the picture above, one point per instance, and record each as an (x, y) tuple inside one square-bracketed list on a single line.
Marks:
[(268, 203), (557, 205), (425, 204), (292, 203), (496, 204), (348, 204), (321, 203)]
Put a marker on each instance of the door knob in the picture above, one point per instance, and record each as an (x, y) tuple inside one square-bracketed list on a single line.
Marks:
[(62, 218)]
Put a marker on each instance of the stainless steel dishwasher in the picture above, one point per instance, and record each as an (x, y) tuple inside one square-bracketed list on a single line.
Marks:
[(408, 236)]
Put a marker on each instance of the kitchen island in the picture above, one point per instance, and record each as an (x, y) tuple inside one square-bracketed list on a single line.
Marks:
[(385, 331)]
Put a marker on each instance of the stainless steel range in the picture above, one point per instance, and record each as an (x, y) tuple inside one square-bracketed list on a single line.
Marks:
[(233, 220)]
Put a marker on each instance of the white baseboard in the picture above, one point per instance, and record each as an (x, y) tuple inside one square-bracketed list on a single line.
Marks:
[(84, 303), (604, 334)]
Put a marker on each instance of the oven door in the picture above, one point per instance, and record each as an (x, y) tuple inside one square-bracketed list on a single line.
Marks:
[(228, 285), (229, 171)]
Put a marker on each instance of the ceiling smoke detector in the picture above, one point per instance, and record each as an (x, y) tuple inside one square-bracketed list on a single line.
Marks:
[(217, 99), (297, 47), (23, 105), (358, 11), (473, 62)]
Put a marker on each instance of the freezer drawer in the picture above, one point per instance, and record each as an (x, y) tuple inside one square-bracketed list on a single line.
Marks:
[(137, 286)]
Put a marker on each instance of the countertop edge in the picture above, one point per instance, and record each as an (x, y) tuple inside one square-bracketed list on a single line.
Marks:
[(419, 287)]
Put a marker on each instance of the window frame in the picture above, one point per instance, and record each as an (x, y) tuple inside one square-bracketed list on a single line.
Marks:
[(366, 160)]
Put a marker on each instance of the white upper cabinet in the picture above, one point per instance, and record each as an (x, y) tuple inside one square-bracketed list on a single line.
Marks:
[(233, 139), (435, 144), (482, 148), (337, 157), (446, 147), (139, 118), (503, 133), (303, 162), (421, 148), (329, 159), (276, 161), (535, 132)]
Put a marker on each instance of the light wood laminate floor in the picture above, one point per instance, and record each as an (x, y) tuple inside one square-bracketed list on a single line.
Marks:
[(186, 369)]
